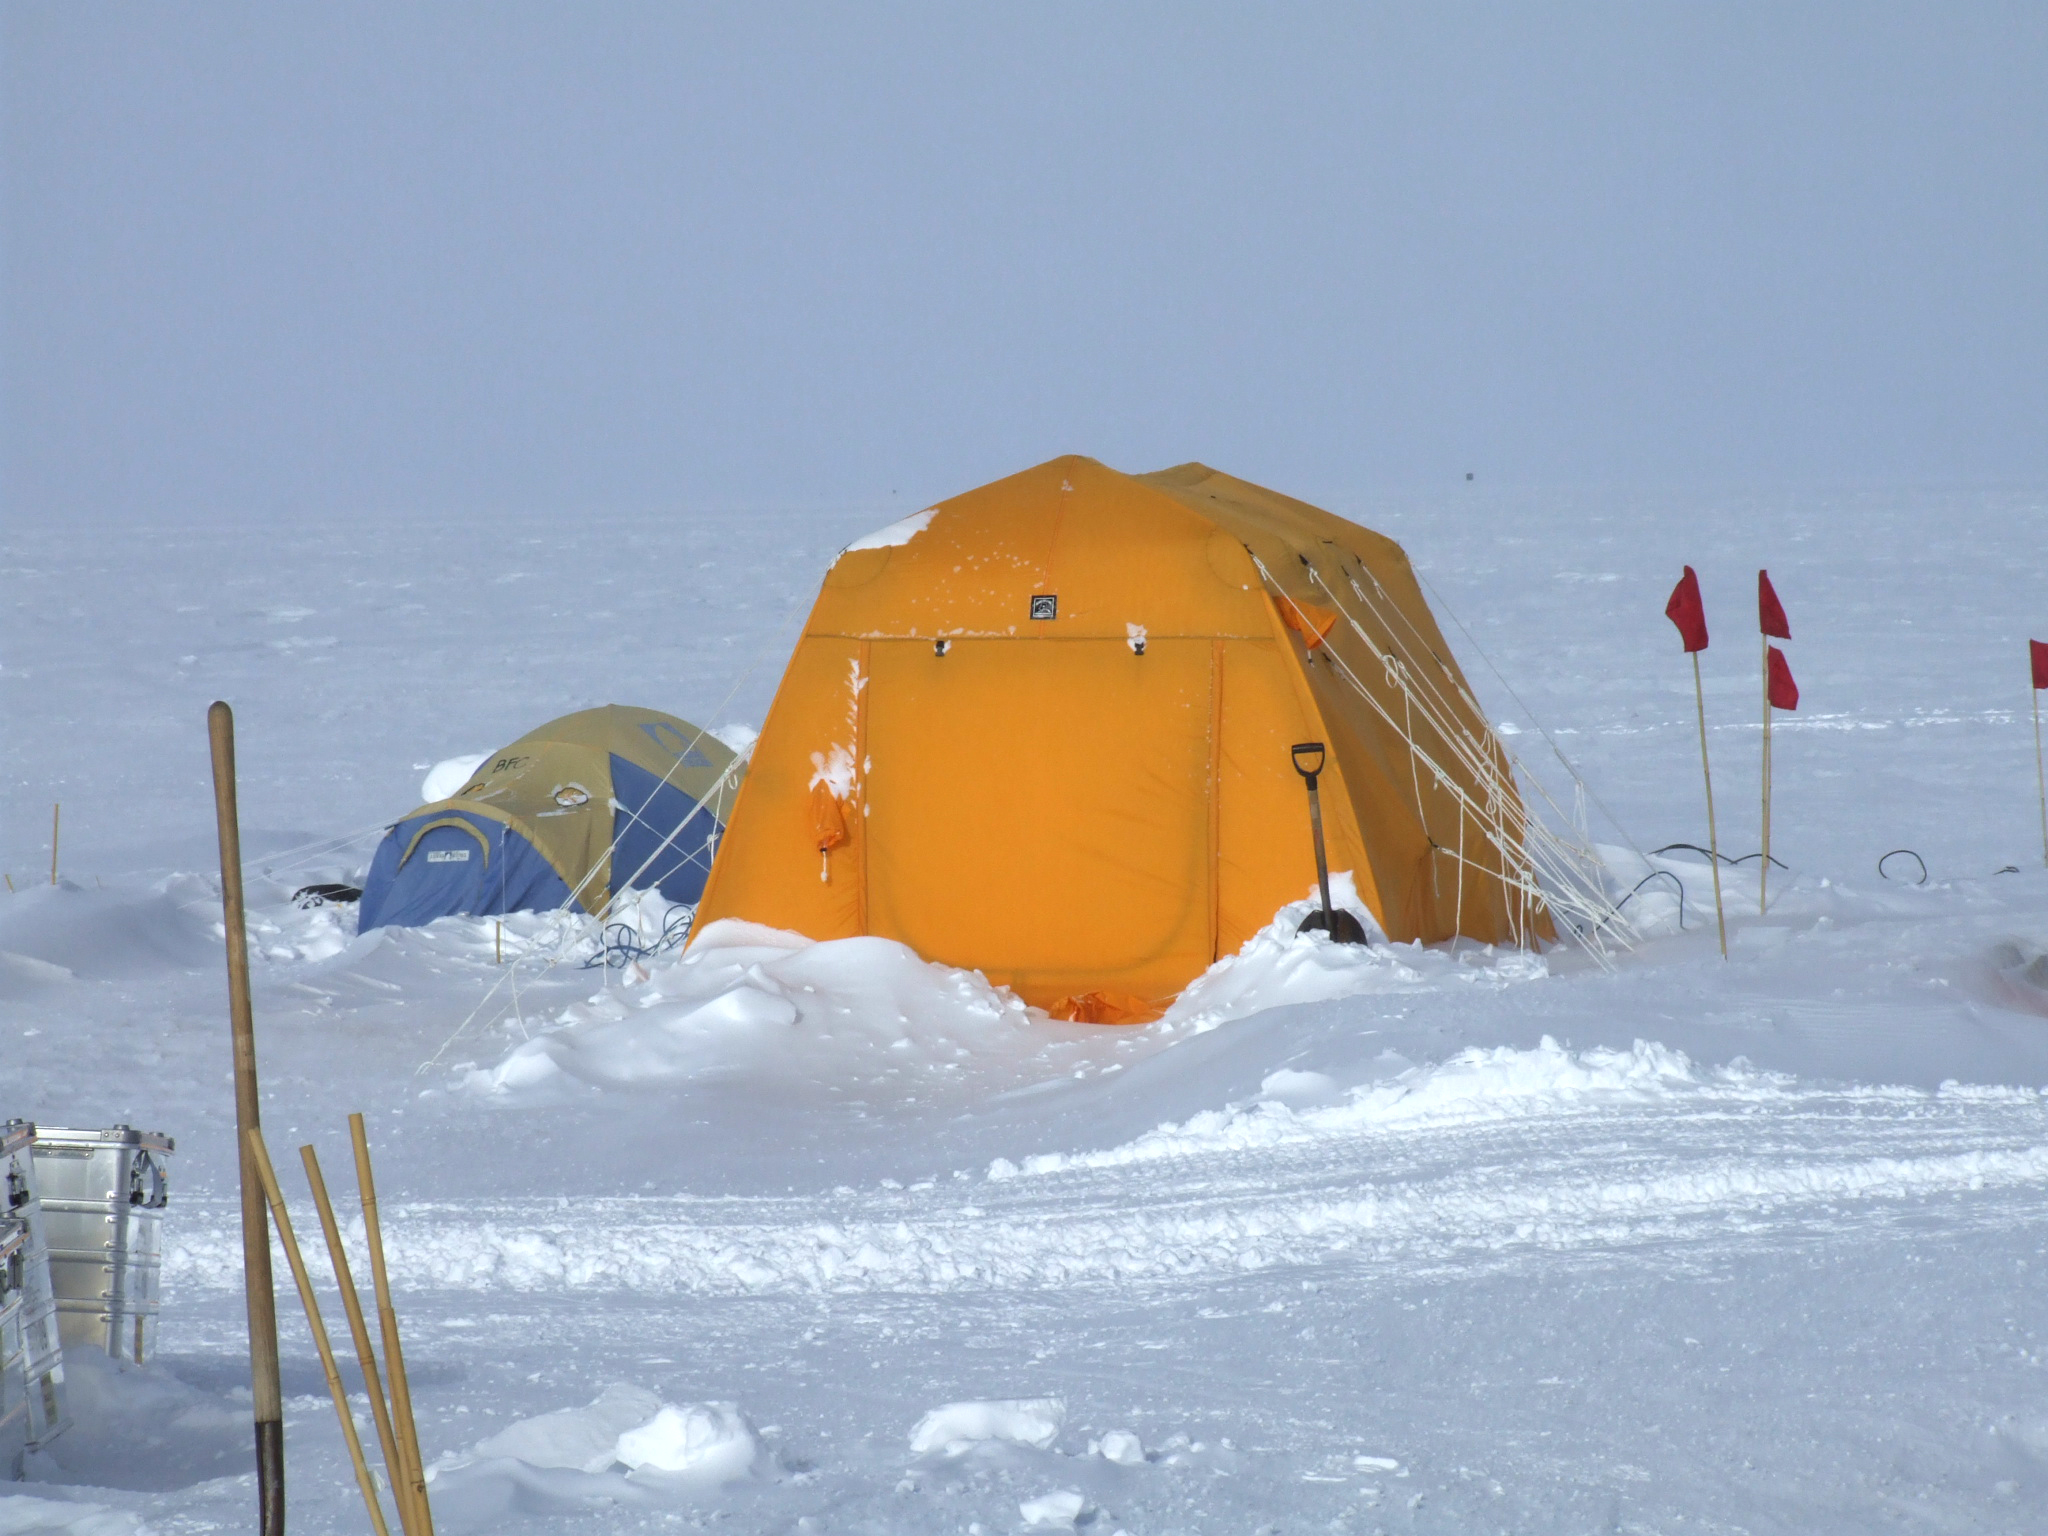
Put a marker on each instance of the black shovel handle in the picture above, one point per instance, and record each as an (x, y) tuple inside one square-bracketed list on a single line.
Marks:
[(1303, 749)]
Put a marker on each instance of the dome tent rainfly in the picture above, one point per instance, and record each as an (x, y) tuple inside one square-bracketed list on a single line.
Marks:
[(1042, 730), (602, 795)]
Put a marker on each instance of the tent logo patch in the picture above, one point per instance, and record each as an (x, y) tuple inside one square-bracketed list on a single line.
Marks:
[(448, 856), (671, 741), (1045, 605)]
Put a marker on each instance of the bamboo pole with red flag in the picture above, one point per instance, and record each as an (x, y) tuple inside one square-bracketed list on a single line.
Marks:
[(1780, 692), (1770, 620), (1690, 615), (2037, 656)]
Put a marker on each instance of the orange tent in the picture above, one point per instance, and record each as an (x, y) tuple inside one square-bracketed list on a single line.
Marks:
[(1042, 731)]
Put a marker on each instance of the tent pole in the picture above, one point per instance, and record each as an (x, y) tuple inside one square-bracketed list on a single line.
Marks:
[(2040, 779), (359, 1331), (365, 1483), (1699, 694), (265, 1390), (1763, 883), (387, 1321)]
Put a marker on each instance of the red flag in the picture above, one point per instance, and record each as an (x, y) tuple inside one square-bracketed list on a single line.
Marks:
[(1784, 693), (1770, 613), (2038, 654), (1689, 614)]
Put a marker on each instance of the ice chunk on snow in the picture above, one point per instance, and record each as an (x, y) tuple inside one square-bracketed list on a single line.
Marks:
[(1054, 1510), (703, 1442), (1292, 1087), (1123, 1448), (447, 777), (1032, 1421), (902, 531), (585, 1439)]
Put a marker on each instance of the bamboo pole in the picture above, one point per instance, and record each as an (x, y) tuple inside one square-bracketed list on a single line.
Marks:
[(1699, 693), (257, 1283), (1763, 883), (56, 812), (2040, 778), (387, 1318), (306, 1298), (359, 1330)]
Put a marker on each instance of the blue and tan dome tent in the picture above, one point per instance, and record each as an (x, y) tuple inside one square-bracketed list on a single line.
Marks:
[(604, 797)]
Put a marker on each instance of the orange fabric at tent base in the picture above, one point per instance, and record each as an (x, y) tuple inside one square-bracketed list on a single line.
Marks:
[(1058, 711), (1105, 1008)]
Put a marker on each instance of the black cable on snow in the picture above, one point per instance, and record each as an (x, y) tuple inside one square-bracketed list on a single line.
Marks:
[(621, 943), (1909, 853), (1656, 874), (1710, 854)]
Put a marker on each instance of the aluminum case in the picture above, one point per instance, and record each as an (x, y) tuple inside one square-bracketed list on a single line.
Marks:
[(103, 1194), (42, 1350)]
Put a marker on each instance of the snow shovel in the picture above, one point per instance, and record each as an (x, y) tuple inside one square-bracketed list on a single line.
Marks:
[(1341, 926)]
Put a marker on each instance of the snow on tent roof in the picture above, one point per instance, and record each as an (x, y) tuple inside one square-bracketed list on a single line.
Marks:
[(610, 796), (1045, 735)]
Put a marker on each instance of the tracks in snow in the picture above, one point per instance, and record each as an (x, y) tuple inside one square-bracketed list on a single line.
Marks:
[(1698, 1170)]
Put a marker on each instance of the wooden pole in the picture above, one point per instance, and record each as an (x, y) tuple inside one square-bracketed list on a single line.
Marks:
[(359, 1330), (256, 1277), (387, 1318), (1763, 884), (306, 1298), (56, 812), (2040, 778), (1699, 694)]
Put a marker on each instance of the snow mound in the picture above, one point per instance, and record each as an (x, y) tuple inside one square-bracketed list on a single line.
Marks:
[(744, 999), (626, 1447), (446, 778), (738, 736), (123, 930), (21, 1515), (1028, 1421), (1475, 1084), (585, 1439), (1278, 966), (743, 995)]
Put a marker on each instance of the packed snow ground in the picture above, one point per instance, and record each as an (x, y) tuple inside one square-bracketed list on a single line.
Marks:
[(815, 1238)]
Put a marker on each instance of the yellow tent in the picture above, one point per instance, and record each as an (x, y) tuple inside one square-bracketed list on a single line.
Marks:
[(1042, 730)]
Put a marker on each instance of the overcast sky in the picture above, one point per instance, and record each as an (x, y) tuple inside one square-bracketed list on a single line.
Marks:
[(320, 258)]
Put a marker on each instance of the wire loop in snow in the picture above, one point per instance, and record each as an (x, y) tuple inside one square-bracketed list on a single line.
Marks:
[(1909, 853), (1657, 874), (622, 943)]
